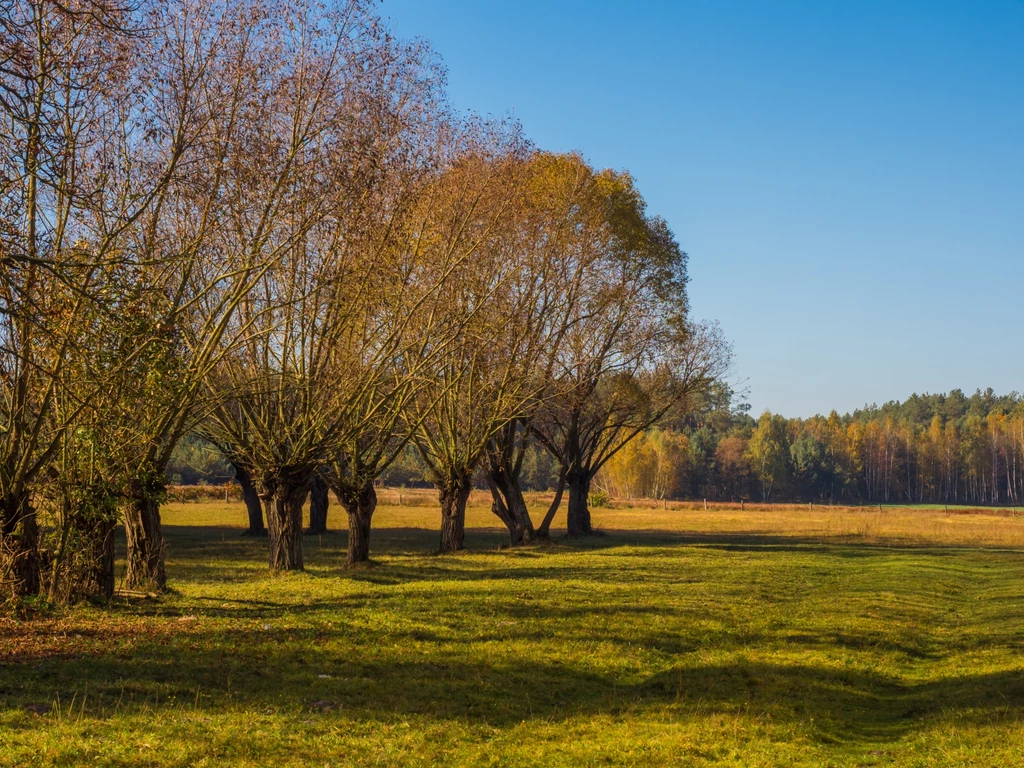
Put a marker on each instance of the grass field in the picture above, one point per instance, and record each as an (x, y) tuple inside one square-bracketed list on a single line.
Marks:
[(806, 636)]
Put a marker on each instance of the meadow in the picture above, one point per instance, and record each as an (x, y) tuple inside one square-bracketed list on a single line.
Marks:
[(679, 636)]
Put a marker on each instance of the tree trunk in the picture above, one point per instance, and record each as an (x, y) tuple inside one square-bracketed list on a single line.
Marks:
[(543, 532), (360, 505), (283, 507), (144, 568), (253, 505), (318, 504), (510, 506), (20, 542), (83, 563), (453, 493), (578, 521), (102, 582)]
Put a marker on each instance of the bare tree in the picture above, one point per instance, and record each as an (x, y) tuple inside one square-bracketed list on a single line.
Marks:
[(267, 100), (411, 135), (379, 431), (389, 400), (139, 153)]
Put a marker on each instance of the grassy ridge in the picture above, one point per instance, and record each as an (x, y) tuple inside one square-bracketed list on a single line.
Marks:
[(751, 638)]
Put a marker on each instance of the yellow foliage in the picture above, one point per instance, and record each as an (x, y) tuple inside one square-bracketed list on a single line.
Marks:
[(652, 465)]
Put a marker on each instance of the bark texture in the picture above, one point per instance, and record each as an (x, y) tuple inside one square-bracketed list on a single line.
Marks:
[(578, 521), (510, 506), (102, 578), (360, 505), (253, 505), (544, 529), (144, 568), (282, 503), (453, 493)]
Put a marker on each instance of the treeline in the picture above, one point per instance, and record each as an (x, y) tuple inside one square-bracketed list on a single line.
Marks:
[(947, 448), (263, 226)]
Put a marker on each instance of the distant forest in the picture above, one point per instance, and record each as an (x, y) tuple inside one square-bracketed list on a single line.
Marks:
[(946, 448), (940, 448)]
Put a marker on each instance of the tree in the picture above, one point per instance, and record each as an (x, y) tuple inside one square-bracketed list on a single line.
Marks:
[(379, 432), (630, 355), (555, 192), (769, 453), (653, 465), (733, 467), (247, 131), (321, 327), (484, 378), (85, 156), (810, 470)]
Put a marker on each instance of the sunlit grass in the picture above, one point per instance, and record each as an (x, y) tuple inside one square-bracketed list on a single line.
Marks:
[(928, 524), (795, 637)]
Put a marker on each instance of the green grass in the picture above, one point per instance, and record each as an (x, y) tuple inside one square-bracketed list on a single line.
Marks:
[(632, 648)]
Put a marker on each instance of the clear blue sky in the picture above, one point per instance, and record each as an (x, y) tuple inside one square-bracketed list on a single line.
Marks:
[(847, 177)]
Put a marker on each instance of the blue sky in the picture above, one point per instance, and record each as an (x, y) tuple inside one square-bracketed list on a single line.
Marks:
[(847, 177)]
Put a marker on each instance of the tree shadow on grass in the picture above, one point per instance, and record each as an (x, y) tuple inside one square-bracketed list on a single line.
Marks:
[(754, 540), (208, 555), (281, 672), (413, 658)]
